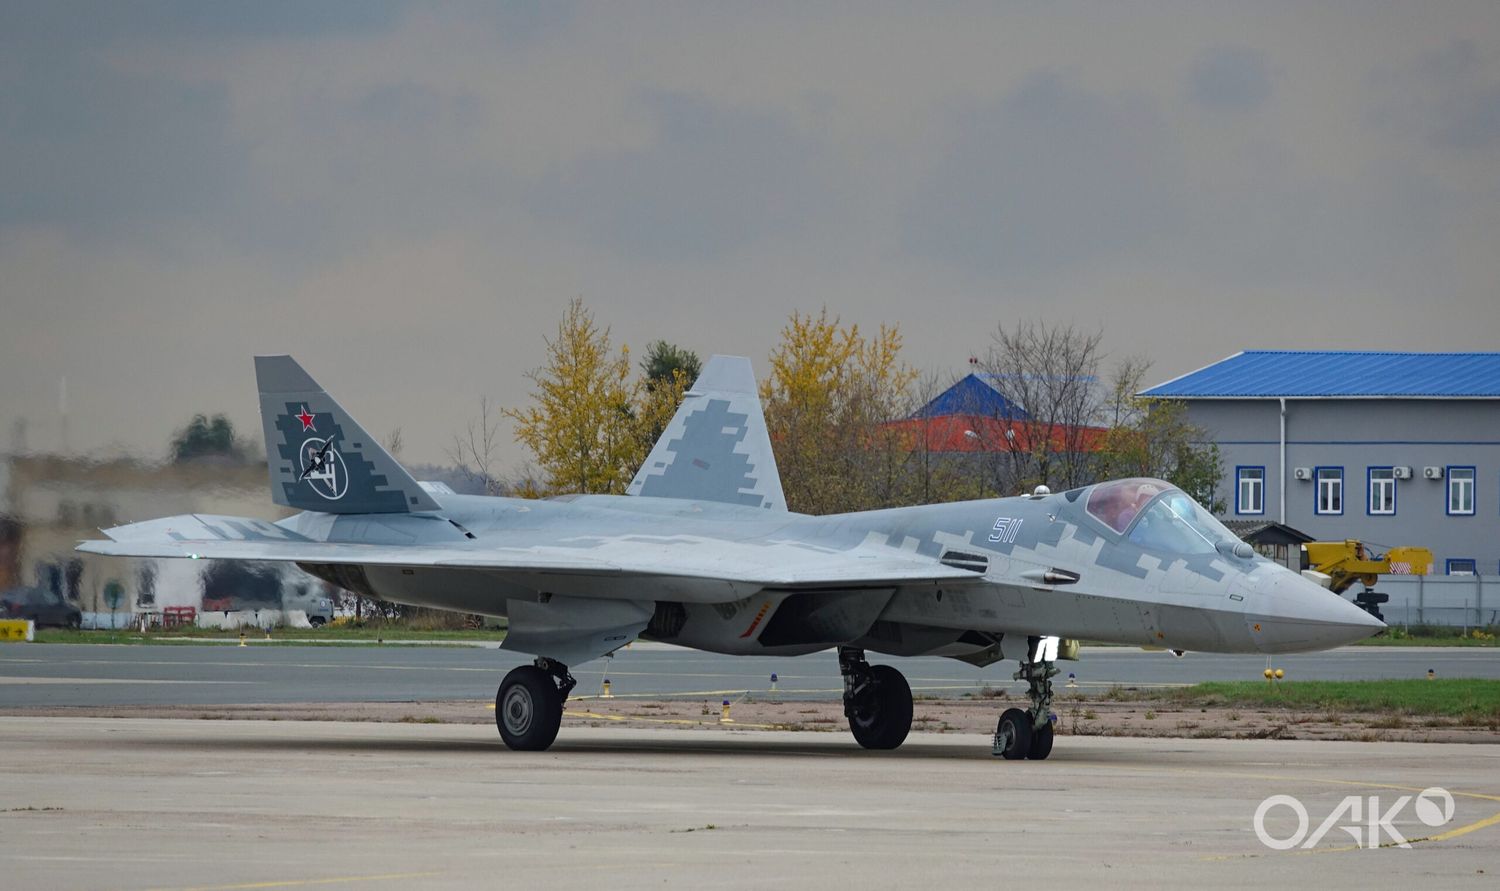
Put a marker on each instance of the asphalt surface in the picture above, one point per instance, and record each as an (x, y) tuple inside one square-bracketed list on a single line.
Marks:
[(103, 675), (133, 803)]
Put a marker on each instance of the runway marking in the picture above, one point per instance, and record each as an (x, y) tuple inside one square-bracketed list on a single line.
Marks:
[(804, 691), (1443, 836), (661, 694), (300, 883), (50, 680)]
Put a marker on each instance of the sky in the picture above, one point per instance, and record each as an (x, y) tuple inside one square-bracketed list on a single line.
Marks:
[(406, 196)]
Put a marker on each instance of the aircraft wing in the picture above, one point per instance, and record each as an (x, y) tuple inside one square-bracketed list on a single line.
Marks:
[(707, 569)]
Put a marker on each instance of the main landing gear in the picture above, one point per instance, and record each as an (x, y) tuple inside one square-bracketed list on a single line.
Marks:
[(1027, 733), (529, 704), (877, 701)]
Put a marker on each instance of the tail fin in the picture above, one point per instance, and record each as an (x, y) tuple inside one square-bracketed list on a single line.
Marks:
[(319, 457), (717, 447)]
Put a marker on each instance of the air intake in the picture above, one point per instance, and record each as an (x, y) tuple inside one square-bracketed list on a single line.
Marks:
[(966, 560)]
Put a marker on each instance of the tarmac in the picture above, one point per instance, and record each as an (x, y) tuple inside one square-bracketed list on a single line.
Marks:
[(94, 676), (136, 803)]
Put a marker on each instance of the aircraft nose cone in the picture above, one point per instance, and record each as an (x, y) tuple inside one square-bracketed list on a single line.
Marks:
[(1289, 614)]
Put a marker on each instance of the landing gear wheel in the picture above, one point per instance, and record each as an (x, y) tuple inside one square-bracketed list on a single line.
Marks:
[(528, 709), (1013, 735), (1041, 742), (881, 716)]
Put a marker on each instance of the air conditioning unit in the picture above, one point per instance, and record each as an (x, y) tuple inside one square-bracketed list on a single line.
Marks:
[(1302, 473), (1432, 473), (1401, 473)]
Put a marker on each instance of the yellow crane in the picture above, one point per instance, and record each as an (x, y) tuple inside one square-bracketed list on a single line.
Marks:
[(1347, 562)]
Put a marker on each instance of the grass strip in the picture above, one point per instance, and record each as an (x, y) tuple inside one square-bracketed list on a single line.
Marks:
[(1470, 698)]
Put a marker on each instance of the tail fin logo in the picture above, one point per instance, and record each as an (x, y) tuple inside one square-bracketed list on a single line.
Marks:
[(323, 468)]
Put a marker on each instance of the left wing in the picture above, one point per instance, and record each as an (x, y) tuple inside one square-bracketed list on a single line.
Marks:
[(690, 567)]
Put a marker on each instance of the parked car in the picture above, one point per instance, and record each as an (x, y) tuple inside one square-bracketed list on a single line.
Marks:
[(321, 612), (40, 606)]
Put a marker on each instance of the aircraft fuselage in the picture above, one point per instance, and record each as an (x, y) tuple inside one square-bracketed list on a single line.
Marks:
[(1040, 566)]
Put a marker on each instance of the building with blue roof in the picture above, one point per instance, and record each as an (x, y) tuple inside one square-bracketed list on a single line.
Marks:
[(1391, 448), (976, 393)]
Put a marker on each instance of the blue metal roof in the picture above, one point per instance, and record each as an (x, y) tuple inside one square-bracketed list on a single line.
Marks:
[(973, 394), (1334, 374)]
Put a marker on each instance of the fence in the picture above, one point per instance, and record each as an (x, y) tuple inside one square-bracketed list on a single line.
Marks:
[(1457, 600)]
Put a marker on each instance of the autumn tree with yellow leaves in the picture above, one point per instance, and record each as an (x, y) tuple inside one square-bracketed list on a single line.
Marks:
[(590, 424), (828, 400)]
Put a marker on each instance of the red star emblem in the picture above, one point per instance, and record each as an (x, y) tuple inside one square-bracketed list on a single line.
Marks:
[(306, 419)]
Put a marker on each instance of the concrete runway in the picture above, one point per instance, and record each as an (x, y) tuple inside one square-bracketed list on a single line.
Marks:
[(95, 675), (130, 803)]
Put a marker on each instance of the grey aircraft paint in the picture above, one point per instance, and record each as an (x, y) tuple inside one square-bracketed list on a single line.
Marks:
[(717, 447), (704, 553)]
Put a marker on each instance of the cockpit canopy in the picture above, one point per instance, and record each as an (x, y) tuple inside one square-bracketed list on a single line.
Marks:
[(1157, 515)]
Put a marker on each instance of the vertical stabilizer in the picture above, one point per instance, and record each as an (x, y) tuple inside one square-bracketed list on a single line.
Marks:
[(319, 457), (717, 447)]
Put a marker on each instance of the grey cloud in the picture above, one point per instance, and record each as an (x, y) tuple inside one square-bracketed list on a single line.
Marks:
[(95, 149), (713, 181), (433, 182), (1051, 176), (1449, 96), (107, 153), (65, 25), (1230, 78), (1465, 112)]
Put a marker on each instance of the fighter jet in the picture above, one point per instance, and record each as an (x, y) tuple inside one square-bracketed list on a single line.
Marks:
[(702, 552)]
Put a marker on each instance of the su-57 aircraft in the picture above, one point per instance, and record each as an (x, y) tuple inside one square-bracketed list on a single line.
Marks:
[(701, 552)]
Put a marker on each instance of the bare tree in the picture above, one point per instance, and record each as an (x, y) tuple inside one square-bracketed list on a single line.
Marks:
[(473, 451), (1124, 383), (394, 443), (1049, 376)]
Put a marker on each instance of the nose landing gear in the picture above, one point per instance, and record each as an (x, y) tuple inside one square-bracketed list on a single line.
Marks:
[(877, 701), (1028, 733), (529, 704)]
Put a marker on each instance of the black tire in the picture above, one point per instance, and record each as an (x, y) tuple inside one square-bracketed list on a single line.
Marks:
[(886, 720), (317, 621), (528, 709), (1041, 742), (1014, 734)]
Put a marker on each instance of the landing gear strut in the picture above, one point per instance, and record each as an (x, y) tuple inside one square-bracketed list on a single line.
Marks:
[(1028, 733), (529, 704), (877, 701)]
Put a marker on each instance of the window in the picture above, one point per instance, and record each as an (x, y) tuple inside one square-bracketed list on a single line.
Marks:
[(1250, 491), (1461, 567), (1175, 524), (1461, 491), (1117, 504), (1330, 490), (1382, 490)]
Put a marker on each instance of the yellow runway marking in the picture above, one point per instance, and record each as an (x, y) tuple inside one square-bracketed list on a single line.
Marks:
[(300, 883), (1465, 829)]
